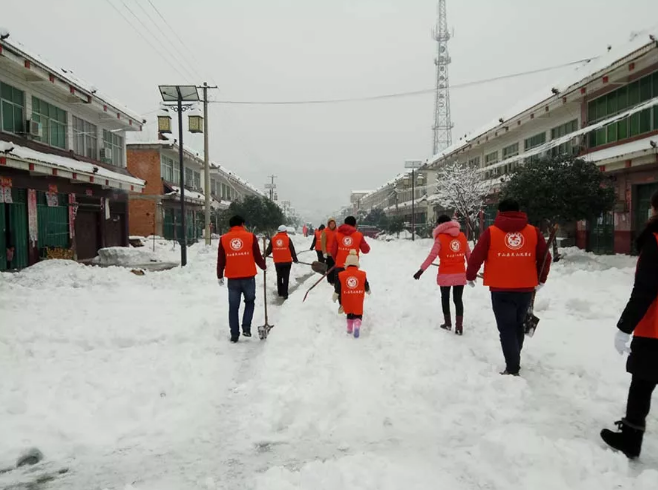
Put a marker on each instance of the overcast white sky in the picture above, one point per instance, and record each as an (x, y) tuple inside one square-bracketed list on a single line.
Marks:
[(314, 49)]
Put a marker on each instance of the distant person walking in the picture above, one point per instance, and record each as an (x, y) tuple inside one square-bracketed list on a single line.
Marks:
[(305, 231), (328, 238), (452, 248), (237, 257), (283, 252), (512, 252), (347, 238), (317, 243), (640, 318)]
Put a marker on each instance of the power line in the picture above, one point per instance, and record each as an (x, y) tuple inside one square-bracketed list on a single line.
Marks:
[(398, 94), (191, 51), (152, 35), (182, 57), (167, 60)]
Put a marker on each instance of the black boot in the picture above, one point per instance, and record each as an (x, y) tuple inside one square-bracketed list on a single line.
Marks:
[(628, 440), (447, 325)]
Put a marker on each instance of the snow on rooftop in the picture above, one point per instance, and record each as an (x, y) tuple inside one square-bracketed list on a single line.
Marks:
[(189, 195), (67, 163), (643, 144), (568, 82), (69, 76)]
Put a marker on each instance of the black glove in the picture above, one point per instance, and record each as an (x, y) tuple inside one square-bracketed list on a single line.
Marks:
[(418, 274)]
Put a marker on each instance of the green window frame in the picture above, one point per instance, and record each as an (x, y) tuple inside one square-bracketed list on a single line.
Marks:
[(535, 141), (645, 121), (167, 169), (12, 109), (491, 158), (85, 138), (114, 142), (197, 180), (53, 123), (510, 151)]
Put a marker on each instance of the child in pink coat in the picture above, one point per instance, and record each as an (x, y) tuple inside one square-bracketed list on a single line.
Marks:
[(451, 246)]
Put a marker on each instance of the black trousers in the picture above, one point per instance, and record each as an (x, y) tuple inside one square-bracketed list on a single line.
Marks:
[(320, 256), (457, 293), (352, 316), (331, 277), (639, 401), (283, 278), (510, 309)]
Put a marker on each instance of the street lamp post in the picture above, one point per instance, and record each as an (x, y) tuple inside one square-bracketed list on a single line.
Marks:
[(189, 95), (413, 165)]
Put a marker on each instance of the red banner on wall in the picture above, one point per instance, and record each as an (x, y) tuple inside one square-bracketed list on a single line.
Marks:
[(32, 223), (73, 211)]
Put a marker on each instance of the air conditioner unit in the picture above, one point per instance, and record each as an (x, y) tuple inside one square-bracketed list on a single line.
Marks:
[(106, 153), (36, 129)]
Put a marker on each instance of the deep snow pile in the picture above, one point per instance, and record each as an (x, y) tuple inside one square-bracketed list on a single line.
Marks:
[(131, 383)]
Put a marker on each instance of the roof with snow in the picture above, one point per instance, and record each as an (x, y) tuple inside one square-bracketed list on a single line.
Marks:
[(66, 75), (581, 75), (82, 171)]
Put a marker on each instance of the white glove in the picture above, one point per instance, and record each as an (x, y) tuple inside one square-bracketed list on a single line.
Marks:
[(369, 291), (341, 310), (471, 283), (334, 297), (539, 286), (622, 340), (220, 281)]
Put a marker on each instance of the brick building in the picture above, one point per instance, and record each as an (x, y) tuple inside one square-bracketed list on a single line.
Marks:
[(64, 185), (157, 210)]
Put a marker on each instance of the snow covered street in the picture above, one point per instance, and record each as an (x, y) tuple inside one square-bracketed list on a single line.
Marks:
[(130, 382)]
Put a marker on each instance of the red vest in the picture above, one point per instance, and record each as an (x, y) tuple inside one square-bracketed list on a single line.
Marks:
[(330, 237), (353, 290), (345, 244), (452, 255), (238, 245), (512, 259), (281, 248), (648, 326), (318, 240)]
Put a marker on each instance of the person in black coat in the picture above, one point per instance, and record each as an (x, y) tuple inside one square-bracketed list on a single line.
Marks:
[(640, 317)]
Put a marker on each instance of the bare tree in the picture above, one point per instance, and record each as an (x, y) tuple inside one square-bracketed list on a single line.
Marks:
[(462, 188)]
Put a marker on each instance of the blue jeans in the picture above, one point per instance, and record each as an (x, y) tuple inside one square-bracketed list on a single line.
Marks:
[(510, 309), (237, 288)]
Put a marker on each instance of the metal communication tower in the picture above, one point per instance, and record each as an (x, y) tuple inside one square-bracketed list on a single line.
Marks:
[(442, 122)]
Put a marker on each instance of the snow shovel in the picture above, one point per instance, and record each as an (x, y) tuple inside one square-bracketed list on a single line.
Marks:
[(318, 267), (531, 321), (318, 282), (264, 330)]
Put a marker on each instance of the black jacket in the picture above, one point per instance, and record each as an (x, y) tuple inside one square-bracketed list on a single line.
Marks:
[(643, 360)]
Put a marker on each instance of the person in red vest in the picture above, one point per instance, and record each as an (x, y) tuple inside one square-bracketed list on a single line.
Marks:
[(237, 257), (283, 252), (513, 253), (640, 318), (350, 290), (345, 240), (317, 243), (452, 248), (328, 237), (305, 231)]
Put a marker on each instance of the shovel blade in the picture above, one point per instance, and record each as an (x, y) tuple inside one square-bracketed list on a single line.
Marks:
[(530, 324), (263, 331), (319, 267)]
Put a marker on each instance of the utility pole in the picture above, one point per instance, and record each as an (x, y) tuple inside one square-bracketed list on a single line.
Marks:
[(206, 160), (413, 165), (271, 186)]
